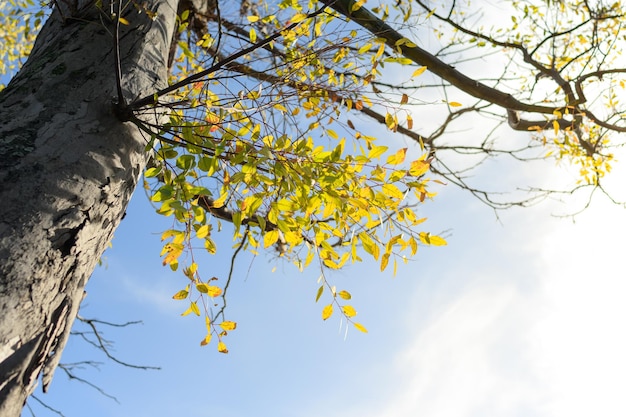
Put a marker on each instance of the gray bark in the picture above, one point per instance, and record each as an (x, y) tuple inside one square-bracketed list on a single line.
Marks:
[(68, 167)]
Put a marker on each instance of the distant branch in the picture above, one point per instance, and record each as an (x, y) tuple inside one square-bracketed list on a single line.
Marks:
[(45, 405), (71, 375), (102, 343)]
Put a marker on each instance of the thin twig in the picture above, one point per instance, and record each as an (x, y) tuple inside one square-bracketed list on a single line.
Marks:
[(43, 404), (151, 99), (101, 344), (71, 375)]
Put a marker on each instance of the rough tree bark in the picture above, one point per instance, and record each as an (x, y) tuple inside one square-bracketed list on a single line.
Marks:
[(68, 167)]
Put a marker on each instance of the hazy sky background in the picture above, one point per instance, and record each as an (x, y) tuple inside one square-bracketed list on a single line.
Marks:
[(521, 315)]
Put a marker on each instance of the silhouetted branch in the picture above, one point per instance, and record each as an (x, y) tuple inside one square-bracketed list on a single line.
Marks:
[(101, 343)]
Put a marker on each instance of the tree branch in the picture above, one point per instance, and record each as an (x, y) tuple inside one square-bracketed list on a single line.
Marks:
[(378, 28), (152, 99)]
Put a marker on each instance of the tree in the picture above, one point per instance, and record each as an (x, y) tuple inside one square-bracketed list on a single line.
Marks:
[(61, 207), (201, 91)]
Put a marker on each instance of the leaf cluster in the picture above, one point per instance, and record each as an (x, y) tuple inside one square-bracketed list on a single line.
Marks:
[(279, 158)]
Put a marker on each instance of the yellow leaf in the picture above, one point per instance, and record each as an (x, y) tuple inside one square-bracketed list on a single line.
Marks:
[(409, 122), (390, 122), (203, 231), (194, 308), (345, 295), (124, 21), (206, 340), (356, 6), (363, 49), (280, 107), (221, 347), (437, 241), (455, 104), (252, 19), (298, 17), (381, 50), (327, 312), (397, 158), (181, 295), (392, 191), (270, 238), (213, 291), (228, 325), (349, 311), (376, 151), (384, 261), (369, 245), (331, 264), (418, 72), (360, 327), (429, 239), (220, 201), (413, 245), (419, 168)]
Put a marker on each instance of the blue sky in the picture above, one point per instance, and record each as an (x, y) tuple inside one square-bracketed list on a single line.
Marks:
[(519, 316)]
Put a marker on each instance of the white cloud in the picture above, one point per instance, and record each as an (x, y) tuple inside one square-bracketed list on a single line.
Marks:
[(540, 333), (580, 343), (468, 360)]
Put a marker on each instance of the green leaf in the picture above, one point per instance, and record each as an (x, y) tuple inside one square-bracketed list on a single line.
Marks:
[(202, 287), (320, 290), (185, 162), (181, 295), (152, 172)]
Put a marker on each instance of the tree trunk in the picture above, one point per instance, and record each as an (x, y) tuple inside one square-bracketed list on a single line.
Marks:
[(68, 167)]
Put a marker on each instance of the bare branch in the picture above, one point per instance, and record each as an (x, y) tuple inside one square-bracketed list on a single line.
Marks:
[(102, 343), (45, 405), (72, 376)]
